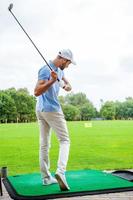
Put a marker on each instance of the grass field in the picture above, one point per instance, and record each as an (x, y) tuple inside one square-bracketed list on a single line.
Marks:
[(105, 145)]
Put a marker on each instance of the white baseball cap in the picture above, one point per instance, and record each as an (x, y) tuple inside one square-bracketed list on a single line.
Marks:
[(67, 54)]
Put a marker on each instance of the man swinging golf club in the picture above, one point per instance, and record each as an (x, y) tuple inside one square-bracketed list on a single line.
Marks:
[(50, 115)]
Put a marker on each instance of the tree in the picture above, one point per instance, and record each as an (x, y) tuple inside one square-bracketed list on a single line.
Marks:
[(87, 111), (124, 110), (128, 108), (78, 106), (119, 110), (25, 104), (71, 112), (8, 111), (78, 99), (107, 111)]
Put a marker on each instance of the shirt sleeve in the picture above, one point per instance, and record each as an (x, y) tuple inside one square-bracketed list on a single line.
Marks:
[(44, 73)]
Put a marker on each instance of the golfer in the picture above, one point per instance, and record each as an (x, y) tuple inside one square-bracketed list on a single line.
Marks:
[(50, 115)]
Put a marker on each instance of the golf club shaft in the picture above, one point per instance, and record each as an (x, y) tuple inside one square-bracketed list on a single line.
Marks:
[(10, 7), (1, 192)]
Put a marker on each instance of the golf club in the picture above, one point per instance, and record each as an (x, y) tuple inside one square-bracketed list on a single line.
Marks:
[(10, 10)]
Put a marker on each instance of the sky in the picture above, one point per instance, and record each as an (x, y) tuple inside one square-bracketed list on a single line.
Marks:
[(99, 33)]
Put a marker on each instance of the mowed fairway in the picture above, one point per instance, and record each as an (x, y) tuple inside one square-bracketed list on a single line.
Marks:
[(105, 145)]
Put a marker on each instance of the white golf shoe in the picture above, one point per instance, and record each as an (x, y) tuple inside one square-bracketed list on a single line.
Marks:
[(50, 180), (62, 181)]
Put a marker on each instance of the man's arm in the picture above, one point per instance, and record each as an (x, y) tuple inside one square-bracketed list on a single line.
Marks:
[(43, 85), (67, 86)]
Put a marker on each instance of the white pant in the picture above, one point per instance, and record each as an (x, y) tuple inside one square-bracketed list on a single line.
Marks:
[(57, 122)]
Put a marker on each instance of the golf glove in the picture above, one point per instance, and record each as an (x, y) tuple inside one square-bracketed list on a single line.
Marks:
[(61, 84)]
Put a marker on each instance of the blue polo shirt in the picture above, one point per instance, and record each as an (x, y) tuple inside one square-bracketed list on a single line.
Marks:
[(48, 101)]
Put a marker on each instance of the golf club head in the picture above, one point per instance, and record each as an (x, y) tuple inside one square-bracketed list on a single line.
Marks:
[(10, 6)]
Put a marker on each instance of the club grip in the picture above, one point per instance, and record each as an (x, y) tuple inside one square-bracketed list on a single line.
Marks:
[(10, 6)]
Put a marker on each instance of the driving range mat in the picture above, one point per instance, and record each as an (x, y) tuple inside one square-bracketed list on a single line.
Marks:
[(83, 182)]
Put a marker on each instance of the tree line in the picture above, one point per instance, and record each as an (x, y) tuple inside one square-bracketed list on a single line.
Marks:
[(79, 107), (117, 110), (19, 106)]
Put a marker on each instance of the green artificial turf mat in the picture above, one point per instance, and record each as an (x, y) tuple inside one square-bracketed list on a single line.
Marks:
[(79, 181)]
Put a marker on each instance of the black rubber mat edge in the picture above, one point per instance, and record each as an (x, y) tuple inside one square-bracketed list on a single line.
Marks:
[(124, 174)]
